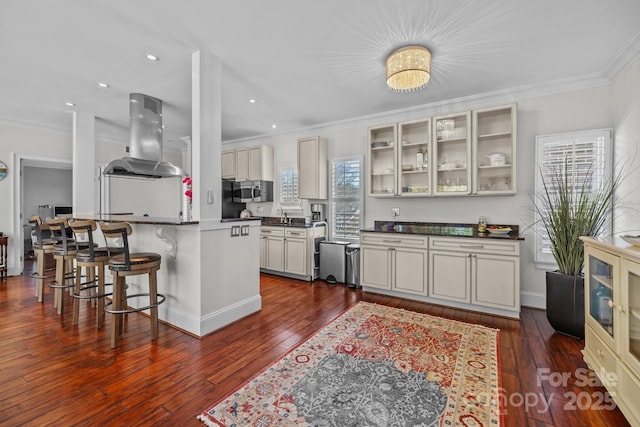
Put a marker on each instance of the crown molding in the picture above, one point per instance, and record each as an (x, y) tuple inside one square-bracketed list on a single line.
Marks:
[(628, 52)]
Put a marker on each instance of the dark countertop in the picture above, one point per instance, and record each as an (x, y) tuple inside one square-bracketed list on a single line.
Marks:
[(443, 229), (134, 219), (274, 221)]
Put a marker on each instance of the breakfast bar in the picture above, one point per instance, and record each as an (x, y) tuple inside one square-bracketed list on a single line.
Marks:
[(205, 286)]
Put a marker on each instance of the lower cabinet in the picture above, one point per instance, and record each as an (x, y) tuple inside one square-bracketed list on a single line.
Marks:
[(395, 263), (289, 250), (478, 274)]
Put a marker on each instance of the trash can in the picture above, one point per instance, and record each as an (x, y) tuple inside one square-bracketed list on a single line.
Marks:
[(353, 265), (332, 261)]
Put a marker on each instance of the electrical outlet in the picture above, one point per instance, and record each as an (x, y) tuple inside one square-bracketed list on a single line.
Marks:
[(260, 209), (395, 211), (210, 198)]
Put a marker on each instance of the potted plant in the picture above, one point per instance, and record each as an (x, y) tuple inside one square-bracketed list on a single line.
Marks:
[(571, 206)]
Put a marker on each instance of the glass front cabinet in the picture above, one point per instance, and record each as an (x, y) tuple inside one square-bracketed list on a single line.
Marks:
[(612, 317), (468, 153)]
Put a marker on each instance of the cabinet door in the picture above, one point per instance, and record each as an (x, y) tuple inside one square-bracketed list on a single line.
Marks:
[(295, 253), (630, 310), (275, 254), (263, 252), (375, 266), (450, 276), (242, 164), (414, 154), (312, 168), (602, 294), (452, 154), (382, 161), (229, 164), (410, 270), (495, 281), (494, 149), (255, 163)]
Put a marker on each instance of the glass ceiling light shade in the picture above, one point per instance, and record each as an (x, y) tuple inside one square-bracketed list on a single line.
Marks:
[(409, 68)]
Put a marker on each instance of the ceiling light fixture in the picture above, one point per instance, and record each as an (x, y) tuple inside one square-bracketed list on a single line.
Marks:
[(274, 126), (409, 68), (252, 101), (69, 104), (104, 85), (151, 57)]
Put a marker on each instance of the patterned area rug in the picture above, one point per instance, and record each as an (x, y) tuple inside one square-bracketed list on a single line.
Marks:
[(375, 366)]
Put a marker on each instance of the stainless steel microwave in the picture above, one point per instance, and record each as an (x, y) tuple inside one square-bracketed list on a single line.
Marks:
[(252, 191)]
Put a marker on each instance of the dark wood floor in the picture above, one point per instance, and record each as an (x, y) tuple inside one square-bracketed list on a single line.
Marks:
[(53, 373)]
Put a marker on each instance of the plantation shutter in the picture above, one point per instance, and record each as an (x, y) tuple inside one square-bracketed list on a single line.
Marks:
[(289, 187), (588, 156), (345, 199)]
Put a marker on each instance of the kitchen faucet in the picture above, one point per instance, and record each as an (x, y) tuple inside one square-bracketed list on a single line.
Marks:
[(283, 216)]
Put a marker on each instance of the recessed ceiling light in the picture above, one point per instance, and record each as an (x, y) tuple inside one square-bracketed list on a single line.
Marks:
[(69, 104), (151, 57), (253, 101), (103, 84), (274, 126)]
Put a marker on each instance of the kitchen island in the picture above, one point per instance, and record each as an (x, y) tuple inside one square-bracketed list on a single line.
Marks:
[(209, 274), (446, 264)]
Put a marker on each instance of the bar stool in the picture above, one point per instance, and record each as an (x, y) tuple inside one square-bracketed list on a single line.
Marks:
[(131, 264), (64, 253), (91, 258), (41, 248)]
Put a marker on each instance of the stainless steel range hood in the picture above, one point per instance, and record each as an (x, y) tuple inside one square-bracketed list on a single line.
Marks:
[(145, 143)]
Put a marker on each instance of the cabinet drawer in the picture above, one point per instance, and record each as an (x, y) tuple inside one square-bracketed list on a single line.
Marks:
[(478, 246), (300, 233), (396, 239), (601, 356), (272, 231)]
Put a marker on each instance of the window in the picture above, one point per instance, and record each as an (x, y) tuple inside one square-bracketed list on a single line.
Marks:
[(289, 187), (588, 155), (345, 199)]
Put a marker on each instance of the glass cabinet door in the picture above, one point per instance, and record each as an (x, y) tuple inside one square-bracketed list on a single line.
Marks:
[(382, 163), (601, 271), (414, 150), (631, 313), (452, 152)]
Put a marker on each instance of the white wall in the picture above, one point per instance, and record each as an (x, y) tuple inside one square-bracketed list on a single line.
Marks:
[(563, 112), (625, 92)]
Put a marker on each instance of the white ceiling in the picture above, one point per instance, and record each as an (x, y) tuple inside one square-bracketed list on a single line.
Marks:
[(305, 62)]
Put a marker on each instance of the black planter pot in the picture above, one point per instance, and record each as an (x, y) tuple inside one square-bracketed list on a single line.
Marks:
[(565, 303)]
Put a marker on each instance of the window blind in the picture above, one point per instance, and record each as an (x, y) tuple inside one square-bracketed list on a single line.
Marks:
[(345, 199), (588, 157), (289, 187)]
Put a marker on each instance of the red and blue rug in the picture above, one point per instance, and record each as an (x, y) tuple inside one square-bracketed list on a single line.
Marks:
[(375, 366)]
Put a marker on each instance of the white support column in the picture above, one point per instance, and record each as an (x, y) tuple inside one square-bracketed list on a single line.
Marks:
[(84, 160), (206, 110)]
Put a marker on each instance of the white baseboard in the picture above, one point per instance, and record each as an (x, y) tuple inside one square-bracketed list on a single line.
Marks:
[(533, 299), (223, 317)]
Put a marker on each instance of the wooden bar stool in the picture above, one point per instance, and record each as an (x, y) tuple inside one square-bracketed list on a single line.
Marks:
[(131, 264), (41, 248), (90, 258)]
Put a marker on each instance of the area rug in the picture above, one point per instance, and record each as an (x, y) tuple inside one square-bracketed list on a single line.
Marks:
[(375, 366)]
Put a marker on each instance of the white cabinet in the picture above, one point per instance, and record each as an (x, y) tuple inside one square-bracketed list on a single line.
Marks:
[(228, 164), (296, 260), (494, 149), (482, 272), (400, 168), (396, 262), (312, 168), (250, 163), (612, 319), (290, 251), (272, 248), (452, 154)]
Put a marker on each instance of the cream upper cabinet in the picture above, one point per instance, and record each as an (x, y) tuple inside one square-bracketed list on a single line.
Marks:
[(312, 168), (494, 150), (452, 154), (228, 164), (382, 161), (250, 163)]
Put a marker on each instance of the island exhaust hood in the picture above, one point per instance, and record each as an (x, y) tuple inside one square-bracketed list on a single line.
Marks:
[(145, 143)]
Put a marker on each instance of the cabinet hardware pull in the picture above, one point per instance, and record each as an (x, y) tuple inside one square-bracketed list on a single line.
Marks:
[(392, 240), (472, 246), (599, 352), (266, 231), (610, 303)]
